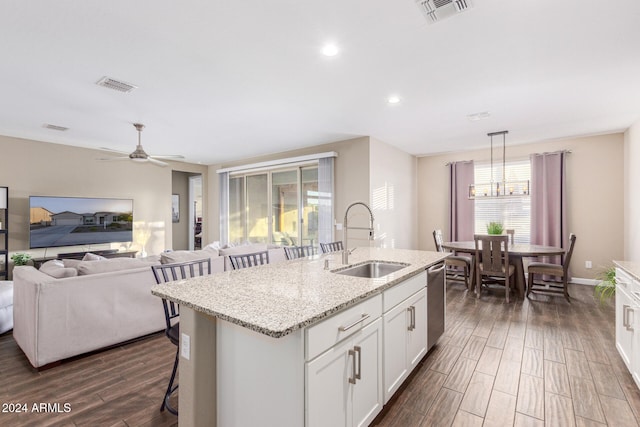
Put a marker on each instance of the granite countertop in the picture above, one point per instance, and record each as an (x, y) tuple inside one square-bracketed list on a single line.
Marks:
[(277, 299), (631, 267)]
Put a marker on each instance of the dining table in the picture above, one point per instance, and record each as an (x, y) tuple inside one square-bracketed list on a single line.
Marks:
[(517, 252)]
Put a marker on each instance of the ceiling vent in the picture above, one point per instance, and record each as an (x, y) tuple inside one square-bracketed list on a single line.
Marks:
[(437, 10), (116, 85), (54, 127)]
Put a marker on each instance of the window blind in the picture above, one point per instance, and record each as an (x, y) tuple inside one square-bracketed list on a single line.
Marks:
[(512, 212)]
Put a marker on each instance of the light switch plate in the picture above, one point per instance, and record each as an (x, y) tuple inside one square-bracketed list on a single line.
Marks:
[(185, 347)]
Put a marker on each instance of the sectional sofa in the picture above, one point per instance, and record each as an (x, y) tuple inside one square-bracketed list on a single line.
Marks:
[(72, 307)]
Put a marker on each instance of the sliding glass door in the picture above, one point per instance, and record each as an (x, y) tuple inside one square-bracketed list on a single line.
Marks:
[(278, 206)]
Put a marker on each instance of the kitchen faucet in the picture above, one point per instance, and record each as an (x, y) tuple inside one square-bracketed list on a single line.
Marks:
[(345, 250)]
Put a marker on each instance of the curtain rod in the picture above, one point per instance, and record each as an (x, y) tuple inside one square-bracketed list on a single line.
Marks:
[(534, 154)]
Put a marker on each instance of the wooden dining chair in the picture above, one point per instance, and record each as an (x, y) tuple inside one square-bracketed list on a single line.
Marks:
[(294, 252), (454, 263), (249, 260), (560, 271), (492, 262), (331, 247), (512, 234), (164, 273)]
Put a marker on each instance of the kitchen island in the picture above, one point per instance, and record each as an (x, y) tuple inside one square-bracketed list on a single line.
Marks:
[(250, 339)]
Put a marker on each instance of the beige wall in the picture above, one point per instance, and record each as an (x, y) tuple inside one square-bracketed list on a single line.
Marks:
[(393, 182), (351, 177), (595, 195), (36, 168), (632, 193)]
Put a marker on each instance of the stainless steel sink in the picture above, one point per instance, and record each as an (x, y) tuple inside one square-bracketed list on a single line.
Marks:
[(372, 269)]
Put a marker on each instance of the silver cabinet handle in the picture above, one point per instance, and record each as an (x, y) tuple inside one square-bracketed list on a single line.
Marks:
[(624, 316), (364, 317), (358, 350), (412, 322), (630, 310), (352, 379)]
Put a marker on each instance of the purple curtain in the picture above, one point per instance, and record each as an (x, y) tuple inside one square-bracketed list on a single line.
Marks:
[(461, 208), (548, 201)]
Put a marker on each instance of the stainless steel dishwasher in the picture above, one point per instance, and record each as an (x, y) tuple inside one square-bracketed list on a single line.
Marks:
[(436, 303)]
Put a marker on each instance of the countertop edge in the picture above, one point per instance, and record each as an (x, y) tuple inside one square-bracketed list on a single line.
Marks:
[(308, 322), (630, 267)]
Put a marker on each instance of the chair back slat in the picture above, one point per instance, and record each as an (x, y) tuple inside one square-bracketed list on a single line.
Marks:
[(437, 238), (249, 260), (178, 271), (494, 251), (294, 252), (331, 247)]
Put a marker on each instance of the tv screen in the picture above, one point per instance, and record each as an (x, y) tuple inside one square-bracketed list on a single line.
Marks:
[(78, 221)]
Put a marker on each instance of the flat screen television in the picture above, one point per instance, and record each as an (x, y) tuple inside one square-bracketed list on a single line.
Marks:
[(79, 221)]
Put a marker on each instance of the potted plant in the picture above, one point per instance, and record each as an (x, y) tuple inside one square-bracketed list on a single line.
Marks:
[(20, 258), (494, 228), (606, 288)]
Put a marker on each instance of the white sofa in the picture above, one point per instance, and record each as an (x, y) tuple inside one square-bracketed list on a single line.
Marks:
[(55, 319), (103, 303)]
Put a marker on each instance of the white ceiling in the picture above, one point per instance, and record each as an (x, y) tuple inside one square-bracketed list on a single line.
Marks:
[(224, 80)]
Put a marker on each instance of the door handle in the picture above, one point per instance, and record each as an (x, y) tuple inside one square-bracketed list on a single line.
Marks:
[(352, 379), (358, 350), (629, 324)]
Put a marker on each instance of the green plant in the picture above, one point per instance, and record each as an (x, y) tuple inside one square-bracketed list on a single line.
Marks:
[(20, 258), (606, 288), (494, 228)]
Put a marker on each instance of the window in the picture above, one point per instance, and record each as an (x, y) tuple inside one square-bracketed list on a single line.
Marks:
[(279, 206), (512, 212)]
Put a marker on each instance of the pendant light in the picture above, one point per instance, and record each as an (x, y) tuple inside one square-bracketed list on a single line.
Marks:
[(502, 188)]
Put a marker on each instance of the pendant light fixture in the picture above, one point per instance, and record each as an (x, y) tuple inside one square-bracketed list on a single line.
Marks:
[(501, 188)]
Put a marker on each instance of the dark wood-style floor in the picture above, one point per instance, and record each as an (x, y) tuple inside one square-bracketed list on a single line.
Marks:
[(538, 362), (527, 363)]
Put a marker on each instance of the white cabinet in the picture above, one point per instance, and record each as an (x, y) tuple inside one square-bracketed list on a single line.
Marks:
[(624, 330), (628, 322), (344, 384), (405, 340)]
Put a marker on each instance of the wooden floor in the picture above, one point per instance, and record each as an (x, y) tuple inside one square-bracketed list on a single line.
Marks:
[(527, 363), (538, 362)]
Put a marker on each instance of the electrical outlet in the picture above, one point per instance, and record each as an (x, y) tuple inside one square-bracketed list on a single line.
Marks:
[(185, 347), (338, 226), (588, 264)]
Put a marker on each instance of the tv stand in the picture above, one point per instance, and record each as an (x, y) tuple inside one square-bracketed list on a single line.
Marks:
[(107, 253)]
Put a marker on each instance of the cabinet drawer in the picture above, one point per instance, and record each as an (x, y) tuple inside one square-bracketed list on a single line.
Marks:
[(626, 282), (340, 326), (395, 295)]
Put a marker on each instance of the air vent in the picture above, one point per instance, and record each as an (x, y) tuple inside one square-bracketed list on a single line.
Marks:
[(437, 10), (116, 85), (54, 127)]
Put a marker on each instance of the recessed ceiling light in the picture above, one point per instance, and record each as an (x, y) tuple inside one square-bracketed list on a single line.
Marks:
[(393, 99), (479, 116), (330, 49)]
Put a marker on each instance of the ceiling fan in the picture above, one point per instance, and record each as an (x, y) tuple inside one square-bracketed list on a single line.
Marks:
[(139, 155)]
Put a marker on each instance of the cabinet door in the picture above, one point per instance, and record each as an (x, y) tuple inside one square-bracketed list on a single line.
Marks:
[(328, 391), (367, 391), (396, 322), (417, 336), (624, 330)]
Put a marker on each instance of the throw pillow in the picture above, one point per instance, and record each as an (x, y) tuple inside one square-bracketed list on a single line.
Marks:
[(92, 257), (56, 268)]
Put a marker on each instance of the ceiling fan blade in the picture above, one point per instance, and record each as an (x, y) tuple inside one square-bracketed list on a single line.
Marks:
[(109, 159), (157, 162), (169, 156), (115, 151)]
